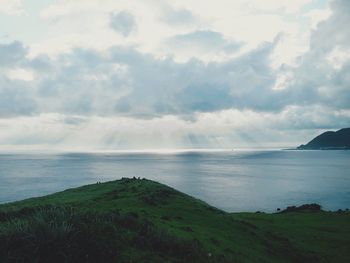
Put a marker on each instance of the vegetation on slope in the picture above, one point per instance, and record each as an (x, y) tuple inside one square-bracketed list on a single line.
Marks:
[(134, 220), (329, 140)]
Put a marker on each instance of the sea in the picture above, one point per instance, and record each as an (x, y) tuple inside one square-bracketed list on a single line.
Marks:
[(232, 180)]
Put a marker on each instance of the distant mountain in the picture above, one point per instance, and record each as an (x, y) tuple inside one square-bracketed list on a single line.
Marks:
[(329, 140)]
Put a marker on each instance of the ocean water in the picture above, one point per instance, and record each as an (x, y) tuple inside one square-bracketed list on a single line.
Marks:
[(231, 180)]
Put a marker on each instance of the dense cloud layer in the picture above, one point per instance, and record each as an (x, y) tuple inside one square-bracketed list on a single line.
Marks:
[(223, 76), (123, 80)]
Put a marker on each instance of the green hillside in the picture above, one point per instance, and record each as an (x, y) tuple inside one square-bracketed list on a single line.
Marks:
[(137, 220)]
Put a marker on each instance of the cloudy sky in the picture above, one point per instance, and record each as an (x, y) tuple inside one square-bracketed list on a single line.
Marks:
[(150, 74)]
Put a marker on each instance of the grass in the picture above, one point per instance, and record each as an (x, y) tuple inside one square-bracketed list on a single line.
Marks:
[(137, 220)]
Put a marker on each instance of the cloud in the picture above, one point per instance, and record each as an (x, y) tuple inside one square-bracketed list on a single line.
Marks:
[(317, 16), (197, 85), (323, 73), (16, 98), (12, 53), (205, 40), (79, 23), (222, 129), (233, 84), (20, 74), (334, 27), (177, 17), (11, 7), (123, 23), (205, 44), (125, 81)]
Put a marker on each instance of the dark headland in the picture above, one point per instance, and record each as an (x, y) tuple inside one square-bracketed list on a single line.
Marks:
[(330, 140), (138, 220)]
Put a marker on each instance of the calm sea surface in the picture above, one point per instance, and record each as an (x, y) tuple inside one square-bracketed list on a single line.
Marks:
[(231, 180)]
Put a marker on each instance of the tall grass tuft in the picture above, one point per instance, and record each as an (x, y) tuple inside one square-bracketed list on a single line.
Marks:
[(62, 234)]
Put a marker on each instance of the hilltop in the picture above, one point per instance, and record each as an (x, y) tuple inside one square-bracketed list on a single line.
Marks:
[(138, 220), (329, 140)]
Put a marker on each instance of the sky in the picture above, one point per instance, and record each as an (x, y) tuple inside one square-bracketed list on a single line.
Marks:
[(161, 74)]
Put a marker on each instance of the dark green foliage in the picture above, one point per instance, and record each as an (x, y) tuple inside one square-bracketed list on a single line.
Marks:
[(329, 140), (303, 208), (61, 234)]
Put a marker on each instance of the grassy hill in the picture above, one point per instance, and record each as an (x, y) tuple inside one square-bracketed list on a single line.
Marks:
[(137, 220)]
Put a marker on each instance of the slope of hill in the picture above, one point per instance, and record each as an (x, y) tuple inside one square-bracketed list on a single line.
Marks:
[(137, 220), (329, 140)]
